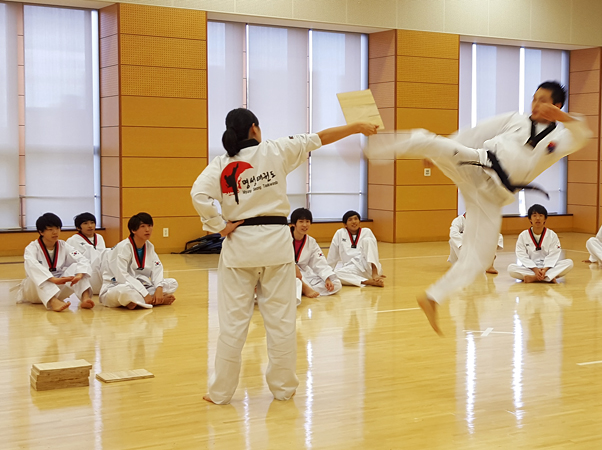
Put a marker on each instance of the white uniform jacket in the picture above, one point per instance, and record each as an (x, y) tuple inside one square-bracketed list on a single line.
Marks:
[(121, 266), (312, 261), (252, 184), (341, 247), (37, 266), (457, 229), (506, 136), (87, 247), (530, 257)]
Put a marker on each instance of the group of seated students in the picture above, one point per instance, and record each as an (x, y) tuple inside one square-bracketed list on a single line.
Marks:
[(129, 275), (537, 249), (352, 257)]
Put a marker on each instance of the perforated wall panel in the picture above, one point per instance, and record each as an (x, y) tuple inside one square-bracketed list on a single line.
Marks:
[(163, 82), (163, 52), (158, 21)]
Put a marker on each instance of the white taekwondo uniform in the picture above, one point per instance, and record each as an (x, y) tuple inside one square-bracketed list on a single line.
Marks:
[(505, 136), (456, 233), (356, 253), (249, 185), (92, 250), (127, 278), (539, 251), (314, 269), (41, 265), (594, 247)]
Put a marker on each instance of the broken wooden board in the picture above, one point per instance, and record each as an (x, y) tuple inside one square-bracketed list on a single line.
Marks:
[(124, 375)]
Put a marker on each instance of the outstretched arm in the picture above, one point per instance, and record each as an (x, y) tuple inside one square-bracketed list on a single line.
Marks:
[(330, 135)]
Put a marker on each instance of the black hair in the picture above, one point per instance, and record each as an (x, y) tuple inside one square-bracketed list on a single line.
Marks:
[(349, 214), (48, 220), (141, 218), (238, 123), (558, 91), (83, 217), (539, 209), (301, 214)]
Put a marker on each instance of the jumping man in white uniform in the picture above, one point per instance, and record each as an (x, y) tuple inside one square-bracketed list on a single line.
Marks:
[(489, 163), (538, 250), (250, 184)]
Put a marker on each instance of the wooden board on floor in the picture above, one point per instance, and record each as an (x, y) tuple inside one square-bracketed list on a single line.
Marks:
[(124, 375)]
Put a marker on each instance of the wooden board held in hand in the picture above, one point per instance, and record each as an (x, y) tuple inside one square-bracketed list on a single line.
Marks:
[(124, 375), (359, 106)]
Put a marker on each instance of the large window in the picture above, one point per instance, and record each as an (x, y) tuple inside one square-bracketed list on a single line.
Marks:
[(499, 79), (59, 168), (289, 78)]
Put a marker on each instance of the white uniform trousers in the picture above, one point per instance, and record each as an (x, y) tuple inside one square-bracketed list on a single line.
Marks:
[(276, 301), (561, 268), (96, 280), (29, 292), (594, 247), (317, 284), (124, 294), (484, 200), (360, 267), (453, 252)]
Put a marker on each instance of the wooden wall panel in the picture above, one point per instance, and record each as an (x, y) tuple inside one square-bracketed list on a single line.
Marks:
[(588, 104), (430, 45), (417, 226), (381, 197), (410, 172), (163, 82), (585, 82), (158, 202), (109, 81), (109, 112), (172, 142), (156, 51), (108, 21), (382, 44), (109, 51), (181, 230), (163, 112), (166, 172), (516, 225), (388, 117), (587, 59), (439, 121), (384, 94), (427, 96), (383, 225), (583, 194), (588, 153), (381, 70), (427, 70), (109, 141), (584, 218), (110, 171), (426, 197), (381, 171), (112, 232), (111, 203), (582, 172), (166, 22)]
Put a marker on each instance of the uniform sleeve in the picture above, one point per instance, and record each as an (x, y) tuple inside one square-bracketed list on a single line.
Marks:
[(295, 149), (487, 129), (500, 241), (84, 248), (574, 138), (100, 242), (74, 256), (205, 191), (120, 269), (157, 271), (553, 248), (521, 252), (333, 252), (34, 270), (455, 232), (317, 262)]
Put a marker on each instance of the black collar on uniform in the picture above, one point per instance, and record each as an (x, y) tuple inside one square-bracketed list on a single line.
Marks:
[(536, 139), (247, 143)]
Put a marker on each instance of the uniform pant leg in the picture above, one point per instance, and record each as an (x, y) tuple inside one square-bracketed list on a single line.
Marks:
[(351, 275), (594, 247), (277, 306), (80, 287), (119, 295), (170, 285), (235, 304), (32, 293), (453, 252), (519, 272), (298, 290), (369, 251), (561, 268), (319, 285)]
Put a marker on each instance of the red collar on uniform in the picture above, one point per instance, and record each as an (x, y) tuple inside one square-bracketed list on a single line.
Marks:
[(357, 237), (139, 261)]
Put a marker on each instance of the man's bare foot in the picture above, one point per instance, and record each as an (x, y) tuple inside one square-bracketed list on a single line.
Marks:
[(530, 278), (168, 299), (587, 261), (492, 270), (131, 305), (309, 292), (429, 307), (87, 303), (208, 399), (374, 282), (58, 305), (554, 280)]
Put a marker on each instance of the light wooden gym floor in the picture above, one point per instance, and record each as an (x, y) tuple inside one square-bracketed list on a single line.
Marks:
[(508, 374)]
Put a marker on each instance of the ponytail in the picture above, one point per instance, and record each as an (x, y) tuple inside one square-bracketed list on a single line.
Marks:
[(238, 123)]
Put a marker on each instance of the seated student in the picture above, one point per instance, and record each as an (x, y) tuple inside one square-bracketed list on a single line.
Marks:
[(357, 249), (594, 247), (538, 250), (314, 276), (55, 270), (132, 274), (456, 233), (90, 244)]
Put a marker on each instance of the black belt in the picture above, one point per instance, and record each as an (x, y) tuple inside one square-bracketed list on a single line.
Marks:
[(265, 220), (503, 176)]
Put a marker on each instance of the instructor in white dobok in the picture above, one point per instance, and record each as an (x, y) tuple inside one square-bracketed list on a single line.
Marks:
[(538, 250), (489, 163), (250, 184)]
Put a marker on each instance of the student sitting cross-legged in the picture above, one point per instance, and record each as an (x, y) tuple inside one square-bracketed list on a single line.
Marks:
[(90, 244), (538, 250), (132, 271), (55, 270), (356, 248), (314, 277)]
